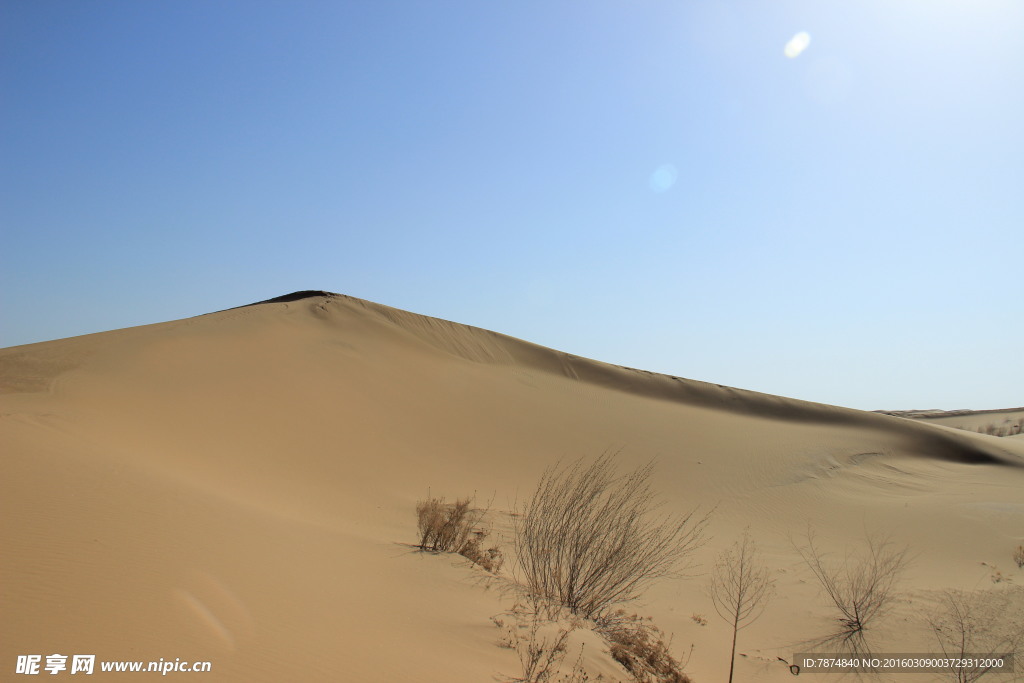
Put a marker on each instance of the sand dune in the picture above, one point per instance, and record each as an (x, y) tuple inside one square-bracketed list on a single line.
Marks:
[(1004, 422), (239, 488)]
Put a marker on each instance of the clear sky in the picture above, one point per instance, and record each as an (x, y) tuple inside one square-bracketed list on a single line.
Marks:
[(651, 183)]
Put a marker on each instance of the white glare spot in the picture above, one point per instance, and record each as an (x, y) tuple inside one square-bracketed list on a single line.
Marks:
[(663, 177), (797, 44)]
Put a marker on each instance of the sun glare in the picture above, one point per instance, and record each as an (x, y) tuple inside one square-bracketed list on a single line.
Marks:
[(797, 44)]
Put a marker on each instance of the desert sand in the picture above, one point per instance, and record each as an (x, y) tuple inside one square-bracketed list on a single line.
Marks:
[(1003, 422), (239, 488)]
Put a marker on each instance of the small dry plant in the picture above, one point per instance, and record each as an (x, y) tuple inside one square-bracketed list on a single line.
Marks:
[(490, 559), (541, 644), (996, 574), (541, 655), (640, 647), (973, 626), (861, 588), (445, 527), (1018, 557), (456, 527), (740, 587)]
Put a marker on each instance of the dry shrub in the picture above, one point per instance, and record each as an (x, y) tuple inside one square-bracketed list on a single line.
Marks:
[(490, 559), (861, 588), (445, 527), (542, 645), (455, 528), (639, 646), (587, 539), (540, 655), (1018, 556), (971, 626)]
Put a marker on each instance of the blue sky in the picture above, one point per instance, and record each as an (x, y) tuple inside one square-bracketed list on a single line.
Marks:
[(653, 183)]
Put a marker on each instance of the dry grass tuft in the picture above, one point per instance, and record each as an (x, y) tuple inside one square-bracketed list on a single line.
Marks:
[(445, 527), (456, 528), (541, 655), (1018, 556), (542, 645), (639, 646), (490, 559)]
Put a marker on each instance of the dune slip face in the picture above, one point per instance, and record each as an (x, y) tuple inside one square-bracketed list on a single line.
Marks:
[(239, 488)]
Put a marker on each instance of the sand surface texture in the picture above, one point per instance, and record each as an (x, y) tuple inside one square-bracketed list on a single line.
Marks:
[(240, 487)]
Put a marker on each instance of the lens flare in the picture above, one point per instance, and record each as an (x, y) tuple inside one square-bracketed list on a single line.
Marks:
[(664, 177), (797, 44)]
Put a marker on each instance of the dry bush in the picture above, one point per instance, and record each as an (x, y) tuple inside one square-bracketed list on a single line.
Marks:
[(541, 645), (640, 648), (455, 527), (541, 656), (978, 624), (586, 538), (740, 588), (445, 527), (1018, 556), (490, 559), (861, 588)]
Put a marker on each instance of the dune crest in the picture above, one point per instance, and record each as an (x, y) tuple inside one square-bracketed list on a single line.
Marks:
[(484, 346), (239, 488)]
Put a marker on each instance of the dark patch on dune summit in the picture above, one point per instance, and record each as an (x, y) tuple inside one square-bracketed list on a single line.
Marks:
[(295, 296), (284, 298)]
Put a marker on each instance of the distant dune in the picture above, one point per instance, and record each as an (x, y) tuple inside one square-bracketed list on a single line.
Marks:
[(239, 488), (1003, 422)]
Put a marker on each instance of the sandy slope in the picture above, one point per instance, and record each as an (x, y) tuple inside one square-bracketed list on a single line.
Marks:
[(1006, 422), (239, 488)]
